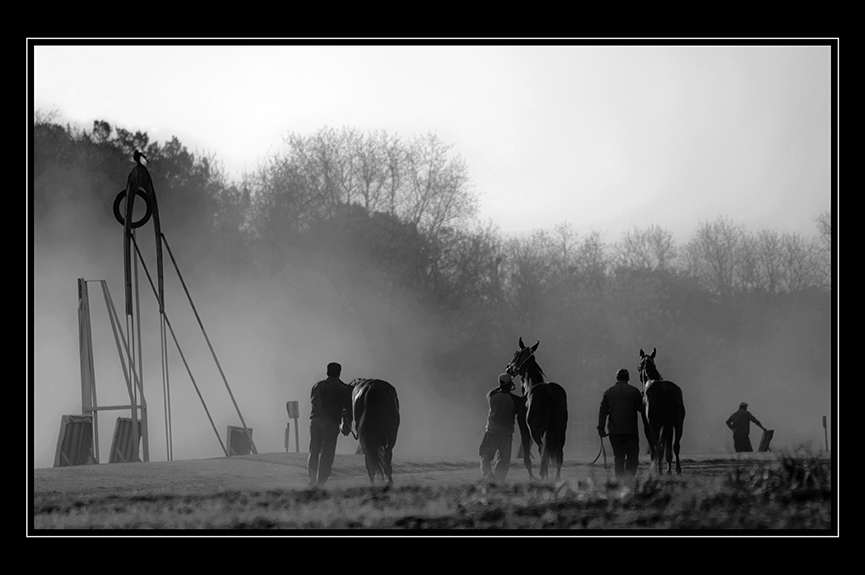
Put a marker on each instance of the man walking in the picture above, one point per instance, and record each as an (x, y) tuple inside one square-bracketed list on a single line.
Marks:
[(331, 401), (495, 449), (740, 423), (618, 413)]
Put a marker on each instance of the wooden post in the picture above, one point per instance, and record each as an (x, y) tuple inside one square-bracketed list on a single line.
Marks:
[(293, 413)]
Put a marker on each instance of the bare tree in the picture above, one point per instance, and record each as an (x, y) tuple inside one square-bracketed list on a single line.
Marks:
[(824, 228), (437, 191), (592, 261), (565, 259), (373, 174), (798, 261), (647, 248), (713, 254), (761, 270)]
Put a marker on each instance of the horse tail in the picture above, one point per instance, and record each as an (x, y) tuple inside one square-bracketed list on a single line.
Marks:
[(558, 423), (378, 426)]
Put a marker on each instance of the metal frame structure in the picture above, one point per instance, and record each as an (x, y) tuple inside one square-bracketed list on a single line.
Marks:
[(138, 183), (89, 403)]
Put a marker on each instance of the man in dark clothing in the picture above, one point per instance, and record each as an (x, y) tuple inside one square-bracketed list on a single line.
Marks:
[(497, 442), (740, 423), (331, 401), (621, 404)]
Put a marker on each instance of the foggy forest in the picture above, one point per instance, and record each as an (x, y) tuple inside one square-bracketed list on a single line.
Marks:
[(365, 248)]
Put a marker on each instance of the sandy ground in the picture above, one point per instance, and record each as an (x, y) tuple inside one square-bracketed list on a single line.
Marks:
[(261, 472), (273, 471)]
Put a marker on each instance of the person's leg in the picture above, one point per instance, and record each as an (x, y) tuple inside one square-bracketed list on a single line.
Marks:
[(504, 458), (314, 451), (616, 442), (487, 451), (329, 435), (632, 454)]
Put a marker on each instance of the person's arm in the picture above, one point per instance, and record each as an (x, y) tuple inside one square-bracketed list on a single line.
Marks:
[(314, 399), (755, 420), (603, 412)]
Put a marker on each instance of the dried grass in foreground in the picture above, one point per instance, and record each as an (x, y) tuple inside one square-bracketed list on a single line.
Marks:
[(792, 493)]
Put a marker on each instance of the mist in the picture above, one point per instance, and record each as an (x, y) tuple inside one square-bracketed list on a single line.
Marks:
[(272, 346), (273, 333)]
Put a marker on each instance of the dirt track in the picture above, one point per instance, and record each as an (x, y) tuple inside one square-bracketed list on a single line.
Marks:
[(273, 471)]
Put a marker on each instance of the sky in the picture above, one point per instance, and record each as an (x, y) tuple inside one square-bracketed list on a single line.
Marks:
[(602, 137)]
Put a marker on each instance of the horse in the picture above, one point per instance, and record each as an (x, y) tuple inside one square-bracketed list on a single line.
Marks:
[(665, 410), (546, 405), (376, 415)]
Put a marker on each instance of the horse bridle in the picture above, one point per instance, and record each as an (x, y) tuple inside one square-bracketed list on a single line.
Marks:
[(517, 369), (643, 371)]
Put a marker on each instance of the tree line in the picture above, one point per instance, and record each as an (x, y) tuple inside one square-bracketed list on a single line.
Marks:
[(379, 214)]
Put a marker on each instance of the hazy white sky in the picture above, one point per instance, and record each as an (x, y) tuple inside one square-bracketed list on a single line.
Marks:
[(602, 137)]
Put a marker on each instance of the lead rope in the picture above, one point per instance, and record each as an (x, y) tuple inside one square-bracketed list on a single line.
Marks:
[(602, 450)]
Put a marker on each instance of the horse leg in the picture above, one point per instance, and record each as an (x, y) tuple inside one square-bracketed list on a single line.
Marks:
[(560, 457), (369, 469), (545, 460), (676, 450), (558, 466), (668, 449), (388, 468)]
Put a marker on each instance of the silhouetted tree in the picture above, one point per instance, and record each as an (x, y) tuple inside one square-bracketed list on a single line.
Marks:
[(714, 254)]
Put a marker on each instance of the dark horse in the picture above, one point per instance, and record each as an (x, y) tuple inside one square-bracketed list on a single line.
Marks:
[(376, 415), (665, 410), (547, 408)]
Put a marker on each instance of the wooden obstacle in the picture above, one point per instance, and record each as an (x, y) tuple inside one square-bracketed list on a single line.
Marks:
[(75, 444), (126, 441), (765, 440), (238, 441)]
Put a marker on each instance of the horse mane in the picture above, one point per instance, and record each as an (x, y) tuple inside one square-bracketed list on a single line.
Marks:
[(534, 372), (652, 371)]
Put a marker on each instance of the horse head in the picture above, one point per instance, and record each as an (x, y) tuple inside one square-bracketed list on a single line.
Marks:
[(647, 369), (518, 366), (525, 365)]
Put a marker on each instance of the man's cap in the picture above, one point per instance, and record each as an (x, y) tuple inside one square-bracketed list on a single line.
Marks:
[(743, 404), (623, 374), (506, 378)]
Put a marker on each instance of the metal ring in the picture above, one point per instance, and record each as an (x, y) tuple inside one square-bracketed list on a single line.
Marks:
[(148, 209)]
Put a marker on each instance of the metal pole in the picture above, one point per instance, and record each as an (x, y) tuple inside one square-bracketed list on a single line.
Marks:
[(166, 392), (88, 372), (207, 339), (186, 364), (139, 363), (825, 433), (296, 438)]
